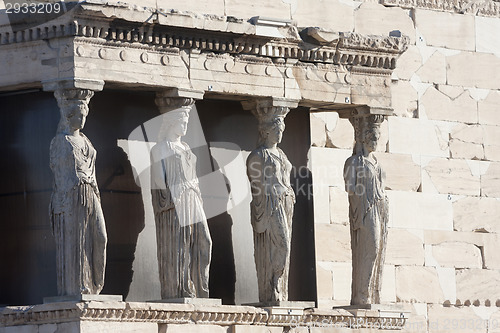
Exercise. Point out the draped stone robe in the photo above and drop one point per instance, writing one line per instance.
(368, 215)
(271, 218)
(184, 245)
(76, 216)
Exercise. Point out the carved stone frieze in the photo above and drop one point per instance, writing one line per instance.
(165, 313)
(86, 25)
(481, 8)
(390, 44)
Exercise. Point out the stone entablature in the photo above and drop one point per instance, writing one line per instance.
(489, 8)
(225, 315)
(131, 48)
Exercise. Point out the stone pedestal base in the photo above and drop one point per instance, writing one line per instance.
(147, 317)
(380, 310)
(195, 301)
(285, 304)
(378, 316)
(83, 298)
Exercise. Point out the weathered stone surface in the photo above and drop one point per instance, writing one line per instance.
(482, 70)
(333, 242)
(491, 244)
(490, 181)
(492, 153)
(491, 135)
(47, 328)
(494, 322)
(342, 277)
(339, 205)
(468, 150)
(321, 203)
(433, 237)
(449, 319)
(434, 69)
(489, 114)
(468, 133)
(457, 254)
(324, 280)
(487, 38)
(417, 321)
(439, 106)
(476, 214)
(402, 174)
(246, 10)
(466, 141)
(418, 284)
(342, 136)
(384, 137)
(375, 19)
(404, 248)
(253, 329)
(408, 63)
(481, 284)
(306, 15)
(318, 131)
(415, 210)
(404, 99)
(191, 328)
(388, 291)
(433, 137)
(128, 327)
(328, 166)
(444, 173)
(370, 90)
(200, 7)
(453, 31)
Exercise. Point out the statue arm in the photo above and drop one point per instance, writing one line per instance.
(350, 175)
(255, 167)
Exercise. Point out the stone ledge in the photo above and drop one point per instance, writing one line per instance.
(169, 313)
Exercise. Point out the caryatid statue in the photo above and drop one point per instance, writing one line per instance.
(184, 245)
(368, 211)
(75, 207)
(273, 199)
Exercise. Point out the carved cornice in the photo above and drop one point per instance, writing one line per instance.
(489, 8)
(88, 26)
(165, 313)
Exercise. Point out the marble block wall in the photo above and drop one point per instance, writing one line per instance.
(441, 154)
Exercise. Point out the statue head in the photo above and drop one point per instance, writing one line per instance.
(73, 106)
(174, 124)
(371, 135)
(271, 131)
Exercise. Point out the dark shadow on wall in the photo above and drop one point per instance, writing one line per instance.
(296, 143)
(28, 121)
(114, 115)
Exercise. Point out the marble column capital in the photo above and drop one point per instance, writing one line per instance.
(364, 118)
(73, 91)
(175, 98)
(73, 84)
(268, 108)
(362, 111)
